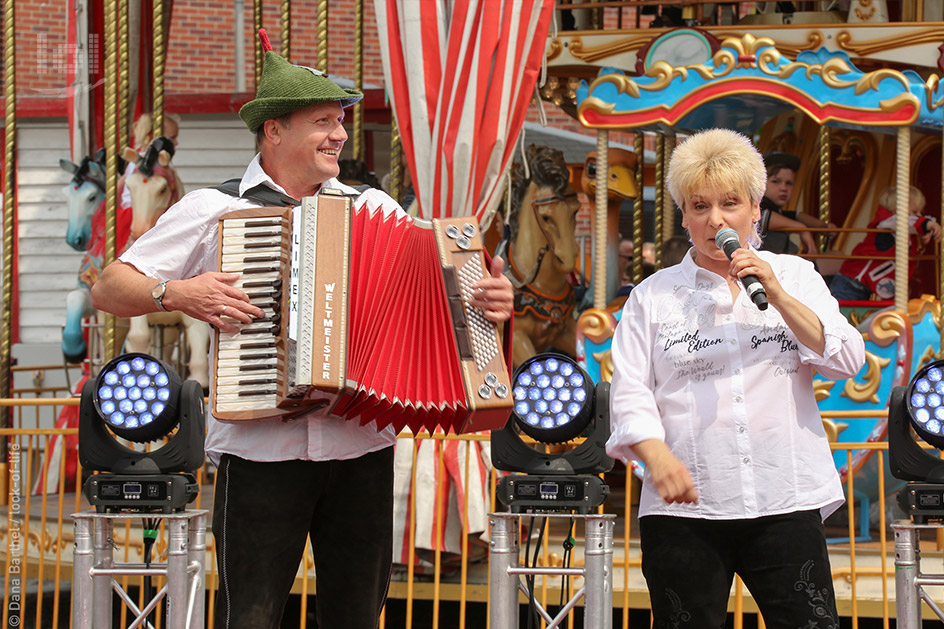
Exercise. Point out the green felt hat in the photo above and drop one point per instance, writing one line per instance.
(285, 88)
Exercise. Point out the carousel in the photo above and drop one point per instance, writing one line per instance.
(835, 95)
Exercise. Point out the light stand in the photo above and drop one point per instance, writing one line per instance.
(919, 406)
(555, 402)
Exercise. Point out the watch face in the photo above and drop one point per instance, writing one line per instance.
(158, 291)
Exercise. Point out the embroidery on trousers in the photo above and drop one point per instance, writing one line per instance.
(819, 599)
(678, 615)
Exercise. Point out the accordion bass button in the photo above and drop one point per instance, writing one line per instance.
(491, 379)
(452, 231)
(463, 242)
(469, 230)
(485, 392)
(501, 391)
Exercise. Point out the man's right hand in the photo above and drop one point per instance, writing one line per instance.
(669, 475)
(212, 298)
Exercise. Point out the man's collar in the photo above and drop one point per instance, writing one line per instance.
(255, 176)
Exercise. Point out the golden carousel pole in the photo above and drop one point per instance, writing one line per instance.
(257, 47)
(660, 197)
(824, 180)
(9, 207)
(358, 140)
(285, 16)
(160, 55)
(639, 147)
(323, 35)
(903, 160)
(599, 236)
(123, 88)
(111, 156)
(668, 206)
(396, 161)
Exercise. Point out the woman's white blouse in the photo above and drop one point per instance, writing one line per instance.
(730, 390)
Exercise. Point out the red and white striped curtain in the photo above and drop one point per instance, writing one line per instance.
(460, 75)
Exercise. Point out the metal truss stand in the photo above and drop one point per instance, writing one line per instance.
(505, 581)
(909, 582)
(94, 571)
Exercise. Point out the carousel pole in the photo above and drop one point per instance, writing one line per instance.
(660, 196)
(599, 237)
(123, 89)
(323, 35)
(639, 147)
(111, 155)
(396, 162)
(668, 206)
(256, 25)
(358, 140)
(940, 274)
(9, 225)
(902, 204)
(285, 23)
(160, 55)
(824, 180)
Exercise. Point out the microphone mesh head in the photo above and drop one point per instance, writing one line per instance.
(726, 235)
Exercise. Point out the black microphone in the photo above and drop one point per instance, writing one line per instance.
(727, 240)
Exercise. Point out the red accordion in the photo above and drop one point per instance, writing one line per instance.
(375, 324)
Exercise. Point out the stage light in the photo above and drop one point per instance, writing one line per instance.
(141, 399)
(918, 406)
(137, 397)
(553, 398)
(554, 401)
(925, 401)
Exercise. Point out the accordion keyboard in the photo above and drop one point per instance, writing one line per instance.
(249, 362)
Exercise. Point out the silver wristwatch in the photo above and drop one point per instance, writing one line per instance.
(157, 294)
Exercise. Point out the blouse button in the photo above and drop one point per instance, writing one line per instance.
(738, 399)
(741, 429)
(747, 459)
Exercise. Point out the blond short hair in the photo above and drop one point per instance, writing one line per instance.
(718, 159)
(144, 126)
(889, 199)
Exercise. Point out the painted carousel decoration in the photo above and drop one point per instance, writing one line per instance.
(742, 83)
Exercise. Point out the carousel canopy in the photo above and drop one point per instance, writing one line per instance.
(740, 83)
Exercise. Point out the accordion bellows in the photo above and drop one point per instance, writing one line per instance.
(378, 327)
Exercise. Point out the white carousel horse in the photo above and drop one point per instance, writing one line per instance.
(86, 232)
(155, 186)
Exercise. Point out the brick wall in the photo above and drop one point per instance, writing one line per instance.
(42, 52)
(201, 55)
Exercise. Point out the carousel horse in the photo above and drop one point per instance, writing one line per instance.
(155, 186)
(86, 232)
(621, 186)
(541, 253)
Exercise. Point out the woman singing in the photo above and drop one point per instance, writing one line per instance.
(716, 398)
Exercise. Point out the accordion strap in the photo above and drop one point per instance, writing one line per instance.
(261, 194)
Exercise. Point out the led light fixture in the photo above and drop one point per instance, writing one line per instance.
(918, 406)
(553, 398)
(141, 399)
(554, 401)
(137, 397)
